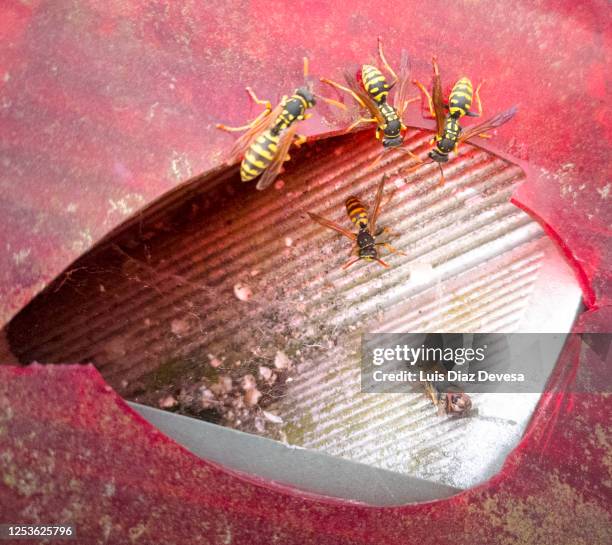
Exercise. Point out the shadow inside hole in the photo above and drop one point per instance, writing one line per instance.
(215, 299)
(154, 305)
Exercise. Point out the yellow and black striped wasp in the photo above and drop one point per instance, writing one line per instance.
(449, 133)
(370, 90)
(264, 147)
(365, 246)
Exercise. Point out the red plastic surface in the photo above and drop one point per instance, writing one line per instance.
(106, 105)
(88, 459)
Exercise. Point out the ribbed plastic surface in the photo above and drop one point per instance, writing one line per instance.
(156, 301)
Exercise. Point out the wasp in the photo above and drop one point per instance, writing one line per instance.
(370, 89)
(449, 133)
(264, 147)
(365, 246)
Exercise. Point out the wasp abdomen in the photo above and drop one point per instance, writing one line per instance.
(357, 212)
(460, 100)
(259, 156)
(375, 83)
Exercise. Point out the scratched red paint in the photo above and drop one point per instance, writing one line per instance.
(108, 101)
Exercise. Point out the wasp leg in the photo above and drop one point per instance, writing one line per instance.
(390, 248)
(246, 127)
(266, 103)
(485, 135)
(425, 94)
(359, 122)
(350, 262)
(233, 129)
(299, 139)
(381, 262)
(409, 101)
(386, 64)
(346, 90)
(478, 102)
(376, 160)
(387, 230)
(267, 110)
(330, 101)
(442, 178)
(407, 151)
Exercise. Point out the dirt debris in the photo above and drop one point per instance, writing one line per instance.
(242, 291)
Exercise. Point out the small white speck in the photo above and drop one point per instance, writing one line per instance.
(604, 191)
(243, 292)
(180, 166)
(125, 205)
(109, 489)
(20, 256)
(151, 112)
(272, 417)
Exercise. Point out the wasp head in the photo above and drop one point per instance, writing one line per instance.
(307, 95)
(437, 156)
(366, 243)
(392, 134)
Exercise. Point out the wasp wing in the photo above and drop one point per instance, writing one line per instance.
(376, 207)
(274, 168)
(438, 99)
(370, 105)
(400, 100)
(260, 125)
(492, 123)
(332, 225)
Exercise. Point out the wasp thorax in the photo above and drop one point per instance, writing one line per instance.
(393, 128)
(307, 95)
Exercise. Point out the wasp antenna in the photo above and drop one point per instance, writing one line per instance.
(331, 101)
(306, 66)
(410, 170)
(408, 152)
